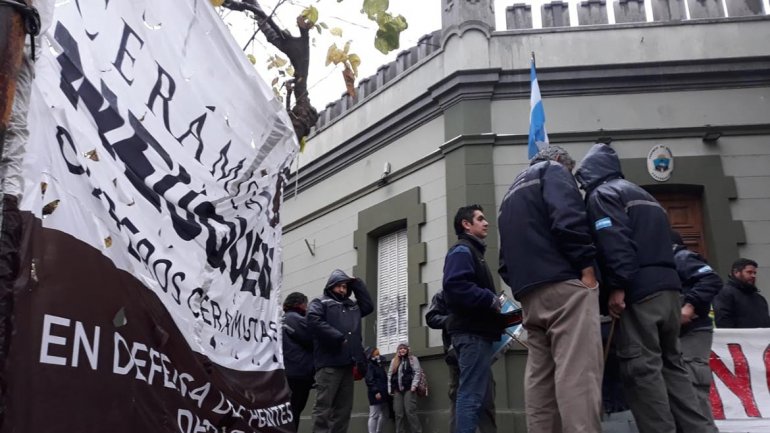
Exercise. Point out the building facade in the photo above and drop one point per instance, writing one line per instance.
(684, 97)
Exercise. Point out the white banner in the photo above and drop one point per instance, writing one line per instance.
(154, 141)
(740, 391)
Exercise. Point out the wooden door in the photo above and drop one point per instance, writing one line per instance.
(685, 213)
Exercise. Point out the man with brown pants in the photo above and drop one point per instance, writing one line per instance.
(546, 257)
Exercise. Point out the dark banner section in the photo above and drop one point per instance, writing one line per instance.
(96, 351)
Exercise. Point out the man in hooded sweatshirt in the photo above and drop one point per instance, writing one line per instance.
(334, 320)
(632, 234)
(546, 257)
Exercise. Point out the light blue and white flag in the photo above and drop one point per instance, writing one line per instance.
(538, 137)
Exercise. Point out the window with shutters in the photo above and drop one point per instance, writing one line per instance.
(392, 291)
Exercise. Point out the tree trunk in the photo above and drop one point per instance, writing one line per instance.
(297, 49)
(11, 50)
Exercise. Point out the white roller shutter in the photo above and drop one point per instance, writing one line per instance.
(391, 291)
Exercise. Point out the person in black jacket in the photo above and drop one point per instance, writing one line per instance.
(334, 320)
(474, 321)
(699, 286)
(632, 234)
(436, 318)
(297, 353)
(377, 389)
(546, 257)
(739, 304)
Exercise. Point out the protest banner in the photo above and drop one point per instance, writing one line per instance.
(148, 293)
(740, 390)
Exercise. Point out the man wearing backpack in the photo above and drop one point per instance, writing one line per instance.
(474, 321)
(436, 318)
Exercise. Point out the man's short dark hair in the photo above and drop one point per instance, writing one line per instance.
(465, 213)
(294, 300)
(741, 263)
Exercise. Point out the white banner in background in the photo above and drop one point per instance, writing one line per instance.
(154, 141)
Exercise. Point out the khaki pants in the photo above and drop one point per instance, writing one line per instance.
(655, 380)
(405, 406)
(563, 377)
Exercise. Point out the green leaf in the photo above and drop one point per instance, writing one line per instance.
(303, 141)
(279, 61)
(336, 31)
(374, 7)
(324, 25)
(311, 14)
(355, 62)
(335, 55)
(387, 37)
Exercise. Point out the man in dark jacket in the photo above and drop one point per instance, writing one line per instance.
(546, 257)
(436, 318)
(334, 320)
(297, 352)
(699, 286)
(631, 231)
(474, 321)
(739, 304)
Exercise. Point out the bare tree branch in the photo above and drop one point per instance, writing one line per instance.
(297, 49)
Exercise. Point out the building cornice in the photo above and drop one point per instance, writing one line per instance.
(514, 84)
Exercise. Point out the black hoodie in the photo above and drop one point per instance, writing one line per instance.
(335, 322)
(630, 229)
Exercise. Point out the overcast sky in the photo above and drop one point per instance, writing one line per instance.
(326, 84)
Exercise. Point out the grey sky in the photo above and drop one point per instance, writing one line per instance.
(326, 85)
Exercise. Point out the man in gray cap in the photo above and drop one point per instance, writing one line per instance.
(546, 257)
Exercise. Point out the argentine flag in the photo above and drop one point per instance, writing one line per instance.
(538, 138)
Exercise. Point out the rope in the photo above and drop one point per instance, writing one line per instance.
(31, 19)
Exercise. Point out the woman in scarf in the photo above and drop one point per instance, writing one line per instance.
(403, 377)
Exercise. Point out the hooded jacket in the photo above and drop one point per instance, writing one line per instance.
(297, 346)
(376, 378)
(739, 305)
(335, 322)
(544, 234)
(700, 284)
(630, 229)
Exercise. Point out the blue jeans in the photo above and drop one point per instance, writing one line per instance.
(474, 356)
